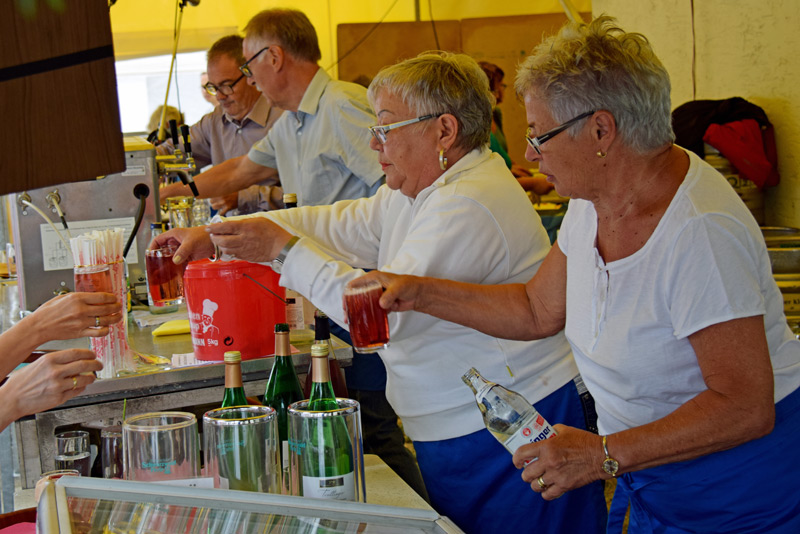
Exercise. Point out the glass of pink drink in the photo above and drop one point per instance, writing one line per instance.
(369, 324)
(164, 278)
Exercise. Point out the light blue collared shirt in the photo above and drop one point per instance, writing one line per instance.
(322, 151)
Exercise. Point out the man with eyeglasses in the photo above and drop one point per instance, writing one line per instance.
(242, 117)
(321, 147)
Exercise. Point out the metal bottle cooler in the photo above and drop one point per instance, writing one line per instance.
(228, 310)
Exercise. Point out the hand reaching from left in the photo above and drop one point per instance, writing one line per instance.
(48, 382)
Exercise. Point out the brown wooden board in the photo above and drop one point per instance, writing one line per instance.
(58, 95)
(506, 41)
(501, 40)
(389, 43)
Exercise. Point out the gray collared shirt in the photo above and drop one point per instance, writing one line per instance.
(322, 150)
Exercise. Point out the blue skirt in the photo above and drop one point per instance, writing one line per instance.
(472, 481)
(754, 487)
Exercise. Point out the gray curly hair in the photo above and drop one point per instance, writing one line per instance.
(442, 82)
(599, 66)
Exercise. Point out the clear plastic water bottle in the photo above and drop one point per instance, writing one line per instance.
(201, 212)
(511, 419)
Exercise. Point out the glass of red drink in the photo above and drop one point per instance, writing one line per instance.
(164, 278)
(93, 278)
(369, 324)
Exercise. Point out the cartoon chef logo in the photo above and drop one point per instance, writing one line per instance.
(209, 308)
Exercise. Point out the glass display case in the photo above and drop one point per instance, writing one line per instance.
(85, 505)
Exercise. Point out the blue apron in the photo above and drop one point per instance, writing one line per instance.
(754, 487)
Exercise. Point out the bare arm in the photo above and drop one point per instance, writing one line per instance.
(737, 407)
(46, 383)
(63, 317)
(228, 177)
(511, 311)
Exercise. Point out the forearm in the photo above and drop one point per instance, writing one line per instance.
(17, 343)
(7, 415)
(710, 422)
(502, 311)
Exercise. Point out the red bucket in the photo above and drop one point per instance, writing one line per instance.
(228, 311)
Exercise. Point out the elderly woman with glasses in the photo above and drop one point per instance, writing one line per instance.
(452, 208)
(661, 279)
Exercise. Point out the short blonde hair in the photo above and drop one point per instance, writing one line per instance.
(290, 28)
(598, 66)
(442, 82)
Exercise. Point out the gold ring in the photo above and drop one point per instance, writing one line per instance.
(97, 321)
(74, 382)
(542, 485)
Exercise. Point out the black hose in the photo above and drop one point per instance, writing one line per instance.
(141, 191)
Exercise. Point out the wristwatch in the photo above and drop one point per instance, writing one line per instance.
(610, 465)
(277, 263)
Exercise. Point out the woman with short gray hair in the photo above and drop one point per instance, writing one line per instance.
(452, 208)
(661, 281)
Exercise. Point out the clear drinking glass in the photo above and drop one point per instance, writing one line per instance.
(241, 449)
(160, 446)
(180, 212)
(164, 278)
(111, 451)
(326, 458)
(93, 278)
(72, 451)
(369, 324)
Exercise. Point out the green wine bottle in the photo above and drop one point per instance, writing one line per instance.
(234, 390)
(328, 471)
(322, 335)
(283, 388)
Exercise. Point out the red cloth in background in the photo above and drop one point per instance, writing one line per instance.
(20, 528)
(748, 147)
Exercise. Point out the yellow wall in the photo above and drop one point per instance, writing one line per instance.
(744, 48)
(144, 27)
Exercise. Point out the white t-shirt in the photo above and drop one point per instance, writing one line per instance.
(628, 321)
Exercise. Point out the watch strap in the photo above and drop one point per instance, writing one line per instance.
(281, 257)
(610, 465)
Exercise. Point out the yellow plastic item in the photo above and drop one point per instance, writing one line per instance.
(178, 326)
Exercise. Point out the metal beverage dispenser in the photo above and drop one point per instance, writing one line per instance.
(44, 263)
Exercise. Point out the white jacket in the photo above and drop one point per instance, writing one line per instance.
(474, 224)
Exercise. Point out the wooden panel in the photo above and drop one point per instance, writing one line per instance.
(506, 41)
(389, 43)
(58, 95)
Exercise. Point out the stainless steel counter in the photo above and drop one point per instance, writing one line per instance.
(152, 388)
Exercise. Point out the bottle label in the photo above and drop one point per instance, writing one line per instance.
(532, 431)
(340, 487)
(294, 312)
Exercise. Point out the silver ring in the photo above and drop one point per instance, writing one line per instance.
(97, 321)
(542, 485)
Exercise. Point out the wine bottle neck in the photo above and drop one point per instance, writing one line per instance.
(320, 371)
(233, 375)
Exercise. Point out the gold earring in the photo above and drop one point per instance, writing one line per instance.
(442, 160)
(601, 154)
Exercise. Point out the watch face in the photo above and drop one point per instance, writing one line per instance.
(610, 466)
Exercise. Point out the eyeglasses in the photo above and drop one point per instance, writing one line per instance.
(379, 132)
(245, 68)
(539, 140)
(223, 88)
